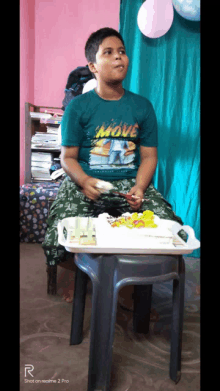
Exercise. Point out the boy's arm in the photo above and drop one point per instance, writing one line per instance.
(144, 175)
(69, 162)
(147, 167)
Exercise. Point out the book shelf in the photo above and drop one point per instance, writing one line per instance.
(35, 126)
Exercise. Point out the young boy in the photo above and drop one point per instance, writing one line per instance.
(99, 113)
(108, 134)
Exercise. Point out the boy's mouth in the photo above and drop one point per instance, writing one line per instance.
(119, 66)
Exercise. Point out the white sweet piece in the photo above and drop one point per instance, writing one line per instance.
(104, 186)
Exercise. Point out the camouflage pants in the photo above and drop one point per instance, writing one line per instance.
(70, 202)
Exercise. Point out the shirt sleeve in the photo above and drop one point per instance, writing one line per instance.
(71, 128)
(148, 128)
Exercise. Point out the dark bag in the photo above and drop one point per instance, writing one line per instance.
(75, 83)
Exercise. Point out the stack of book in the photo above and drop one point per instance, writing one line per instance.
(50, 139)
(46, 140)
(41, 116)
(45, 144)
(40, 165)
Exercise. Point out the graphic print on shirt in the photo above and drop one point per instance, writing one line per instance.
(113, 147)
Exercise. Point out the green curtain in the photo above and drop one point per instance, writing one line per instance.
(166, 70)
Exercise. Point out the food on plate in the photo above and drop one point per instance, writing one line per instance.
(136, 220)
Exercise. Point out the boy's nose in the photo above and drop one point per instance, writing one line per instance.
(117, 55)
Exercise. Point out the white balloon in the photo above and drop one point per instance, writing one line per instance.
(155, 17)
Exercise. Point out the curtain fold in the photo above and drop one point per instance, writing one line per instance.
(166, 70)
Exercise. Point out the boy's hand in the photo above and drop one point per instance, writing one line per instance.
(89, 188)
(138, 194)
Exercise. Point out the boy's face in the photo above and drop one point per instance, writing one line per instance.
(111, 61)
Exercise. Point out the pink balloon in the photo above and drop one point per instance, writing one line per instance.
(155, 17)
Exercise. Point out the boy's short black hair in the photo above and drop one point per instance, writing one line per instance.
(96, 38)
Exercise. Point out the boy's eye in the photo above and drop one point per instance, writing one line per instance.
(108, 51)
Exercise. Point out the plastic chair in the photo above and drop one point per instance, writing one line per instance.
(109, 273)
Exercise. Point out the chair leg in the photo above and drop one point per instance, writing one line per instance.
(104, 308)
(52, 280)
(142, 306)
(79, 300)
(177, 323)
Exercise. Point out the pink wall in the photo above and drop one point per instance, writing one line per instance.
(53, 35)
(62, 28)
(27, 54)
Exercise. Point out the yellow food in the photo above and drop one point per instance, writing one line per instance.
(144, 220)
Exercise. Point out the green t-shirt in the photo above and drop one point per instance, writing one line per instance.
(109, 133)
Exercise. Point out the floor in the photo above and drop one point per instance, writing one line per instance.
(140, 362)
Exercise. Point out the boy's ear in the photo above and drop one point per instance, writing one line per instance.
(92, 67)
